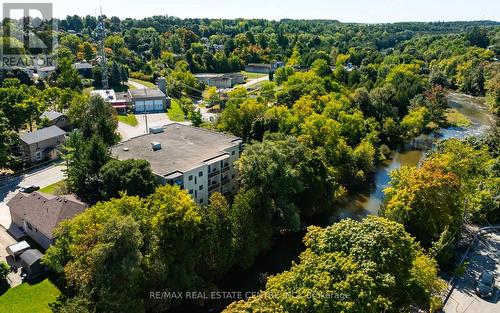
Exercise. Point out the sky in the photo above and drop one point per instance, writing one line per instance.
(363, 11)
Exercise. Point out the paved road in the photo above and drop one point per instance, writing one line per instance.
(484, 256)
(254, 81)
(41, 177)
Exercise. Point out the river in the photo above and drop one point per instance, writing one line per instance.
(286, 248)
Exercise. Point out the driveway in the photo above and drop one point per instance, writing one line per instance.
(41, 177)
(153, 119)
(484, 255)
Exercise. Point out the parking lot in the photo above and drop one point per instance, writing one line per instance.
(483, 256)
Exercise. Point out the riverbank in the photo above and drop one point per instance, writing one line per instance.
(286, 248)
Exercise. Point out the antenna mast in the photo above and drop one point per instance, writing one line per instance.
(101, 34)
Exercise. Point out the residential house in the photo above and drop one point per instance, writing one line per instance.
(41, 144)
(84, 69)
(56, 118)
(37, 214)
(198, 160)
(263, 68)
(226, 80)
(45, 71)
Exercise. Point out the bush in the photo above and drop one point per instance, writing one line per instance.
(4, 270)
(141, 76)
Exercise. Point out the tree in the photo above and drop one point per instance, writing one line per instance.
(84, 160)
(97, 118)
(218, 253)
(4, 270)
(88, 51)
(211, 96)
(368, 266)
(426, 200)
(493, 93)
(131, 176)
(9, 141)
(68, 76)
(98, 252)
(267, 92)
(478, 36)
(196, 117)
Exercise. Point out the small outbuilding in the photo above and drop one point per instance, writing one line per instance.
(31, 261)
(17, 249)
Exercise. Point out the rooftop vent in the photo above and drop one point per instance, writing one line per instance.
(156, 129)
(156, 145)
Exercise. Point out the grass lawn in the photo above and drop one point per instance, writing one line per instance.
(175, 112)
(455, 118)
(143, 82)
(27, 298)
(129, 119)
(253, 75)
(55, 188)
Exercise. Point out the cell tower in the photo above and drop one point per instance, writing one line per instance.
(101, 34)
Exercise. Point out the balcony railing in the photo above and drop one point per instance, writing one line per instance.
(213, 173)
(213, 187)
(225, 168)
(224, 180)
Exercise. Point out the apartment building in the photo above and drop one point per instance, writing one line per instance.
(198, 160)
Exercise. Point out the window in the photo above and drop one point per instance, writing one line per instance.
(200, 173)
(233, 176)
(190, 191)
(232, 152)
(29, 226)
(195, 193)
(38, 155)
(201, 187)
(195, 180)
(62, 119)
(201, 200)
(190, 178)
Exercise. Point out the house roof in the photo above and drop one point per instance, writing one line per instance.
(182, 148)
(45, 211)
(46, 69)
(30, 256)
(41, 134)
(82, 66)
(51, 115)
(146, 93)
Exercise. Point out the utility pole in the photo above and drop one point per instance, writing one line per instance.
(101, 34)
(146, 119)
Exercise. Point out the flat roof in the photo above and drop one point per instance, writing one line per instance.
(182, 148)
(146, 93)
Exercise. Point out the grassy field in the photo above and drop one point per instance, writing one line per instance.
(455, 118)
(253, 75)
(129, 119)
(27, 298)
(56, 188)
(175, 112)
(143, 82)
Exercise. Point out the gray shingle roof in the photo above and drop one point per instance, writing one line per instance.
(30, 256)
(41, 134)
(45, 211)
(51, 115)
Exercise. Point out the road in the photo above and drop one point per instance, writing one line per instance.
(485, 255)
(254, 81)
(41, 177)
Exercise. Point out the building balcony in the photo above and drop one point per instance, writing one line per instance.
(224, 180)
(213, 187)
(213, 173)
(225, 168)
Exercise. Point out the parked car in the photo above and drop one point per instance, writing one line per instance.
(485, 285)
(29, 189)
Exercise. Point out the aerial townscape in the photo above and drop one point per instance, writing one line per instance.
(154, 164)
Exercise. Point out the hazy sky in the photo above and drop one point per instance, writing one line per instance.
(343, 10)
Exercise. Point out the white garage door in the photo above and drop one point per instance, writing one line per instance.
(139, 106)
